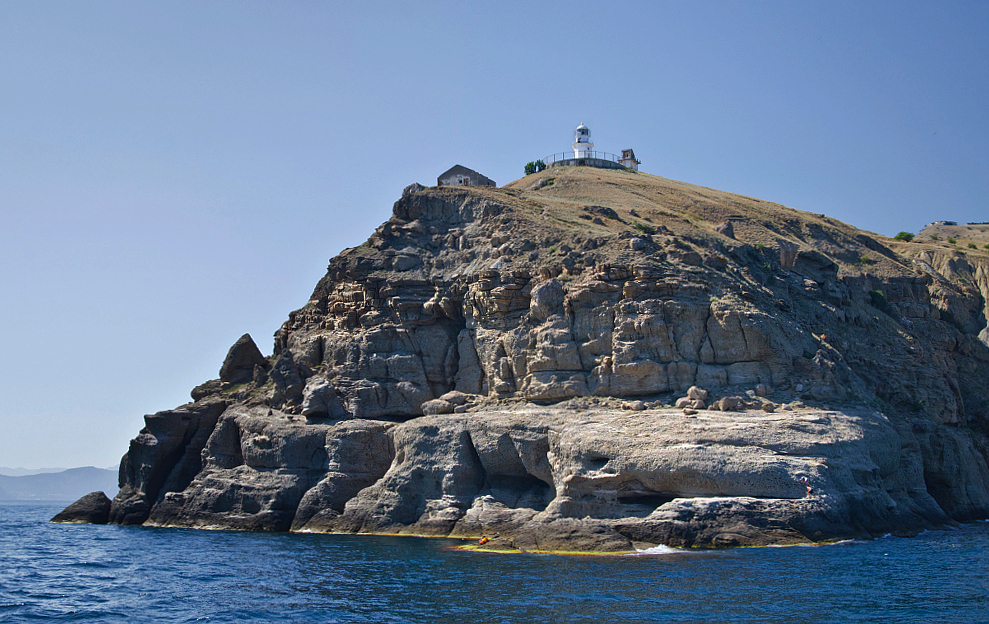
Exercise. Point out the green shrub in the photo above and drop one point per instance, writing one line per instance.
(934, 237)
(879, 301)
(906, 237)
(234, 388)
(534, 166)
(951, 241)
(948, 317)
(645, 229)
(972, 246)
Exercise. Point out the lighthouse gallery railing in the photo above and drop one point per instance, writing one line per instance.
(552, 158)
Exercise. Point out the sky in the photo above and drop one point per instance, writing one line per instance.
(176, 174)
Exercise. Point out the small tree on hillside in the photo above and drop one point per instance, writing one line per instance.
(534, 166)
(906, 237)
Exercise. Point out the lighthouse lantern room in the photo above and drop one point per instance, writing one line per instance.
(582, 145)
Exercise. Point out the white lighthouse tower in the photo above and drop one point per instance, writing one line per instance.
(582, 145)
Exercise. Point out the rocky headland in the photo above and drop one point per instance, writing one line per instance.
(596, 360)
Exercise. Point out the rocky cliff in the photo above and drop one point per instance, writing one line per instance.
(596, 360)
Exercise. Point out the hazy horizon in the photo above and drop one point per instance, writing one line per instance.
(17, 471)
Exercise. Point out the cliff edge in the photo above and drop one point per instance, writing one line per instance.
(596, 360)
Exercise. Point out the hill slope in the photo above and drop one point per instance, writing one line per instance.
(58, 486)
(590, 359)
(965, 236)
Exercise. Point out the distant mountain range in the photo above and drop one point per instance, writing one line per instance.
(20, 472)
(65, 485)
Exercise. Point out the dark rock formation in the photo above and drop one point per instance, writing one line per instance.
(164, 457)
(93, 508)
(508, 360)
(243, 356)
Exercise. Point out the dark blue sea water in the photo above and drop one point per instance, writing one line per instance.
(132, 574)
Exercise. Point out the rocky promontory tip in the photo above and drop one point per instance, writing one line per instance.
(93, 508)
(596, 360)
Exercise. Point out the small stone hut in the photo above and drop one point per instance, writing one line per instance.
(629, 160)
(458, 175)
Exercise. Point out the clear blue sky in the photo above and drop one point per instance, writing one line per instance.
(174, 174)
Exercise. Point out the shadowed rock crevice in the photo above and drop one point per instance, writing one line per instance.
(642, 504)
(526, 492)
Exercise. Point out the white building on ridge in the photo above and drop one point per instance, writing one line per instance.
(582, 145)
(585, 156)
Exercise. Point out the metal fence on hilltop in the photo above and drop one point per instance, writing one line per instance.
(570, 156)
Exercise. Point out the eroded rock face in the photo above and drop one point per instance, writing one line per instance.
(164, 457)
(457, 374)
(359, 453)
(558, 479)
(257, 465)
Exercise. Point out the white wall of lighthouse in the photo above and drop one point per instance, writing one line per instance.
(582, 145)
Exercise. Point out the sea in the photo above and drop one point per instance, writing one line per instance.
(88, 573)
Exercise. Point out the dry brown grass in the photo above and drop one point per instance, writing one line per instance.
(692, 211)
(963, 235)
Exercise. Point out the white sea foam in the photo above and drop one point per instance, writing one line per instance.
(660, 550)
(814, 544)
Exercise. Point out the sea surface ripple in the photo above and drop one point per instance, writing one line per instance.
(79, 573)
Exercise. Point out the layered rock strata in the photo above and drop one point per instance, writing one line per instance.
(463, 372)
